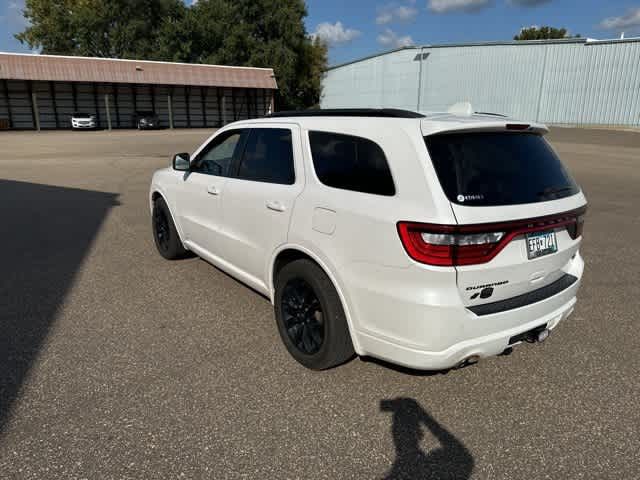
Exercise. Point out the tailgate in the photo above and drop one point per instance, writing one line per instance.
(515, 204)
(538, 253)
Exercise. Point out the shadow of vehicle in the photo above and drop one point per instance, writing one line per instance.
(451, 460)
(46, 232)
(404, 370)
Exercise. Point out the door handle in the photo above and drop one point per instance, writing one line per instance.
(276, 206)
(213, 190)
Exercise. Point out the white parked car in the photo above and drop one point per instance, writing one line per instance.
(82, 120)
(428, 241)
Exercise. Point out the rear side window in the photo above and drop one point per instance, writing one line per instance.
(498, 168)
(268, 156)
(351, 163)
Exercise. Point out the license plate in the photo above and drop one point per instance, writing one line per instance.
(541, 243)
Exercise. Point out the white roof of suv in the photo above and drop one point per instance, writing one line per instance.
(430, 123)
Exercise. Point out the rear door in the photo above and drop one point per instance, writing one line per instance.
(259, 198)
(512, 185)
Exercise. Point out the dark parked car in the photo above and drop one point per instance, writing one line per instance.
(147, 120)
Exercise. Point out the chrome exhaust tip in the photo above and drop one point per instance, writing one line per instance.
(543, 335)
(535, 335)
(472, 360)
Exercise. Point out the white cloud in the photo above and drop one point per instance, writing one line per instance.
(527, 3)
(335, 33)
(384, 17)
(630, 20)
(389, 38)
(396, 13)
(449, 6)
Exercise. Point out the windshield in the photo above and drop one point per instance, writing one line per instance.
(498, 168)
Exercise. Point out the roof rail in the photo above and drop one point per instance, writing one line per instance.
(350, 112)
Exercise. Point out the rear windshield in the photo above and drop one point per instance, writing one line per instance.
(498, 168)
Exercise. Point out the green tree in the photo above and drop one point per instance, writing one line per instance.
(97, 28)
(311, 67)
(257, 33)
(543, 33)
(260, 33)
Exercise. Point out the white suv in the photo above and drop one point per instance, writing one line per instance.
(428, 241)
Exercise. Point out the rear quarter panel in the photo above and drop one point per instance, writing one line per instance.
(354, 232)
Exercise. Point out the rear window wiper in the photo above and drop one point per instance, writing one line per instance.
(554, 191)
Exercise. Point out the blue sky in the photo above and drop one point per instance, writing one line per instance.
(355, 28)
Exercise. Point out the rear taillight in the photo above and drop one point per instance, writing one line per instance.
(450, 245)
(575, 229)
(580, 225)
(447, 245)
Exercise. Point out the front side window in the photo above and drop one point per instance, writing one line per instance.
(217, 157)
(268, 157)
(351, 163)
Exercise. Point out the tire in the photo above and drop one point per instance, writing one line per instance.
(300, 326)
(165, 234)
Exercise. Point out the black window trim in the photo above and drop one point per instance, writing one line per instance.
(234, 169)
(315, 174)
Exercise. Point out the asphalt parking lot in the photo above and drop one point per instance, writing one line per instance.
(115, 363)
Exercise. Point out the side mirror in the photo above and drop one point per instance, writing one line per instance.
(181, 162)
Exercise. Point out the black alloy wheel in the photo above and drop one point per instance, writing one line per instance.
(161, 228)
(310, 317)
(303, 316)
(165, 235)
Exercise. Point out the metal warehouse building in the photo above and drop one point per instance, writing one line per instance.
(42, 92)
(573, 81)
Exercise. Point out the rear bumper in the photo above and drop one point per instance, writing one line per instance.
(486, 346)
(441, 333)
